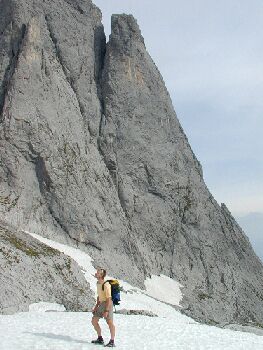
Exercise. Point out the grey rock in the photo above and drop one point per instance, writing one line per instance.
(249, 328)
(92, 154)
(32, 272)
(53, 179)
(179, 228)
(136, 312)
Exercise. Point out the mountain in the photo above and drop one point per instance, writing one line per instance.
(92, 154)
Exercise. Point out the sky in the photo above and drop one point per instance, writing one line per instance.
(210, 54)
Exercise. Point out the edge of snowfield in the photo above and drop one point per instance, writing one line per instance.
(55, 330)
(163, 288)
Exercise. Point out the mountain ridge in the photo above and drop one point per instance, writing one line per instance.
(92, 153)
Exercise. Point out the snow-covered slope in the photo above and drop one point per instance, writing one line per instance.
(55, 330)
(73, 331)
(157, 287)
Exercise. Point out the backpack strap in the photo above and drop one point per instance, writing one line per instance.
(104, 283)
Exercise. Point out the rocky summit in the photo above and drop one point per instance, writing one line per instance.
(93, 155)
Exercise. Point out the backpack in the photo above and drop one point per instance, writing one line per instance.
(115, 291)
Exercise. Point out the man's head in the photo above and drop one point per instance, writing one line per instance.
(100, 274)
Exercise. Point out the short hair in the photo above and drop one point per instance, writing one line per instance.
(103, 271)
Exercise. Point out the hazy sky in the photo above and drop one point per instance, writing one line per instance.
(210, 54)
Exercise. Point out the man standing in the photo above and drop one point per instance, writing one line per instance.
(103, 308)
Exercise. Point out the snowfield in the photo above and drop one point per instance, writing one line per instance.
(73, 331)
(47, 327)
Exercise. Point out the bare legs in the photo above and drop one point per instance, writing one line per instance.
(112, 329)
(95, 323)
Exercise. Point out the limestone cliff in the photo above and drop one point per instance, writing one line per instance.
(92, 154)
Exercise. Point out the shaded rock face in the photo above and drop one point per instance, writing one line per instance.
(32, 272)
(53, 178)
(92, 153)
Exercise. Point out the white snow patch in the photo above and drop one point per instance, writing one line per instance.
(81, 258)
(164, 289)
(44, 307)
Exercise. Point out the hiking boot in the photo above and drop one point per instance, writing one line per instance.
(98, 341)
(110, 344)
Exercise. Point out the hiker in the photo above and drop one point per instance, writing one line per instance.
(103, 308)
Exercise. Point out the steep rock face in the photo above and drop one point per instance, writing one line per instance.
(53, 179)
(180, 229)
(32, 272)
(92, 154)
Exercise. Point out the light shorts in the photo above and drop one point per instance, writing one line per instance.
(101, 309)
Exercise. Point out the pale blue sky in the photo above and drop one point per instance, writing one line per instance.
(210, 54)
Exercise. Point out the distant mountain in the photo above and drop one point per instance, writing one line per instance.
(252, 224)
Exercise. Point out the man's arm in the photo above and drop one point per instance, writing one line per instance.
(97, 305)
(107, 307)
(108, 303)
(108, 299)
